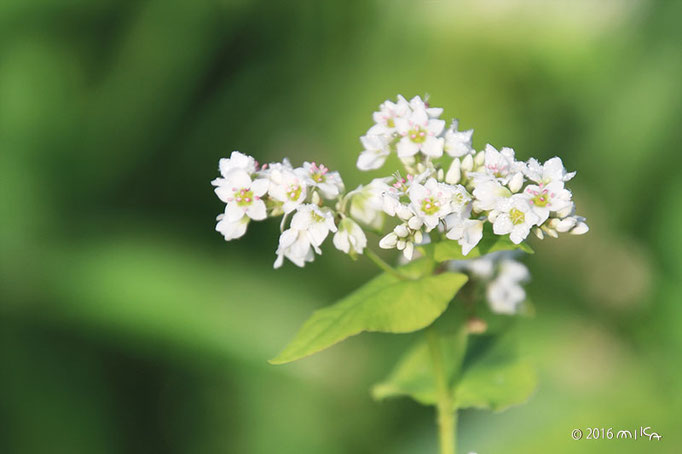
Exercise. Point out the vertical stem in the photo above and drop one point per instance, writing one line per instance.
(446, 417)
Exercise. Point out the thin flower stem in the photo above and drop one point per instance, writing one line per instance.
(446, 415)
(378, 261)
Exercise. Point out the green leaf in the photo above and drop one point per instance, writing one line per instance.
(385, 304)
(493, 376)
(413, 375)
(451, 250)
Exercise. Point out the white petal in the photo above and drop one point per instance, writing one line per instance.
(256, 210)
(407, 148)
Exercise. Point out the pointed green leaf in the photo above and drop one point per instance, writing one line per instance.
(413, 375)
(385, 304)
(451, 250)
(493, 376)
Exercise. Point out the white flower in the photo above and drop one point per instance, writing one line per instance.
(366, 203)
(420, 133)
(516, 218)
(458, 143)
(502, 164)
(377, 149)
(404, 239)
(431, 201)
(417, 103)
(551, 171)
(287, 187)
(385, 118)
(294, 245)
(350, 238)
(316, 222)
(329, 183)
(504, 293)
(242, 196)
(467, 232)
(237, 160)
(548, 198)
(488, 194)
(231, 230)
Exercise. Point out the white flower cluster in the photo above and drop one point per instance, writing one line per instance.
(448, 189)
(502, 275)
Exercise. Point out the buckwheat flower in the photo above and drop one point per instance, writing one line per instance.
(329, 183)
(316, 222)
(237, 160)
(458, 143)
(350, 238)
(287, 187)
(231, 230)
(502, 164)
(548, 198)
(504, 293)
(420, 134)
(376, 150)
(516, 218)
(417, 103)
(489, 193)
(467, 232)
(243, 196)
(295, 246)
(551, 171)
(404, 239)
(431, 201)
(366, 203)
(385, 118)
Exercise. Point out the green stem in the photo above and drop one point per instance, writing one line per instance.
(447, 418)
(378, 261)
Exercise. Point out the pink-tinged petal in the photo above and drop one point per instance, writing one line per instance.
(407, 148)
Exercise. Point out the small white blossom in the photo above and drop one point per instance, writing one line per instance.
(376, 150)
(516, 218)
(231, 230)
(366, 203)
(385, 118)
(350, 238)
(431, 201)
(504, 293)
(467, 232)
(548, 198)
(236, 161)
(242, 196)
(502, 164)
(316, 222)
(420, 133)
(404, 239)
(488, 194)
(458, 143)
(287, 187)
(551, 171)
(329, 183)
(294, 245)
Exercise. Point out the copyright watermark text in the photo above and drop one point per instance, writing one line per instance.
(603, 433)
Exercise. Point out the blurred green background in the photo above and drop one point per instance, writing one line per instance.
(127, 325)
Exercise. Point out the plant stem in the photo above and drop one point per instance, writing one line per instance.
(447, 418)
(383, 265)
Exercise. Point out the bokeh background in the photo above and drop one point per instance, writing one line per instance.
(127, 325)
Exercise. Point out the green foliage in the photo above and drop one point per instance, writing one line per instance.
(384, 304)
(451, 250)
(490, 375)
